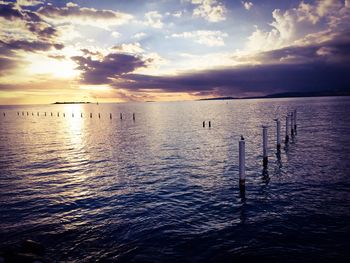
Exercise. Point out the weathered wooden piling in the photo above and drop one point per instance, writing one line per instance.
(72, 115)
(278, 134)
(64, 114)
(99, 115)
(121, 116)
(51, 114)
(291, 124)
(295, 121)
(4, 114)
(22, 113)
(90, 115)
(265, 158)
(81, 115)
(58, 114)
(209, 124)
(287, 129)
(27, 113)
(241, 163)
(133, 116)
(203, 124)
(45, 113)
(17, 113)
(37, 113)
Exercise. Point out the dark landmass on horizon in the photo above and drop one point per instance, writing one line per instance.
(72, 102)
(290, 95)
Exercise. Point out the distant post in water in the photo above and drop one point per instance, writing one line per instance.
(203, 124)
(45, 113)
(64, 115)
(72, 115)
(133, 116)
(58, 114)
(90, 115)
(99, 115)
(22, 113)
(295, 121)
(265, 158)
(4, 114)
(278, 134)
(121, 116)
(291, 124)
(209, 124)
(81, 115)
(287, 129)
(27, 113)
(17, 113)
(242, 163)
(110, 115)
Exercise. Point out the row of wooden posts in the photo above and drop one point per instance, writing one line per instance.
(64, 115)
(291, 126)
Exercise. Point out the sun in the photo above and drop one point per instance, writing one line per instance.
(56, 67)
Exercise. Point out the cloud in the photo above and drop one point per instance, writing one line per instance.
(322, 67)
(247, 5)
(139, 35)
(115, 34)
(178, 14)
(29, 20)
(7, 65)
(9, 11)
(29, 2)
(82, 15)
(131, 48)
(301, 22)
(244, 81)
(204, 37)
(211, 10)
(30, 46)
(112, 66)
(153, 19)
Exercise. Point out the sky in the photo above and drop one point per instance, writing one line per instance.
(167, 50)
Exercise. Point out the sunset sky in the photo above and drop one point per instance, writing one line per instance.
(114, 51)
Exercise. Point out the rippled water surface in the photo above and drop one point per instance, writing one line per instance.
(164, 189)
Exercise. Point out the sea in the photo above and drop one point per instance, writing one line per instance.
(163, 188)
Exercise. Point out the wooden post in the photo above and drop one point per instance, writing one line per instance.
(265, 158)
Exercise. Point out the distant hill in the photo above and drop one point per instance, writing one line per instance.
(308, 94)
(290, 95)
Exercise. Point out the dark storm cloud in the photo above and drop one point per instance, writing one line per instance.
(112, 66)
(245, 80)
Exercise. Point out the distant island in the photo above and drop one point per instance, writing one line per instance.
(289, 95)
(72, 102)
(220, 98)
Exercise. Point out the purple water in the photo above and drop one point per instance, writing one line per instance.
(164, 189)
